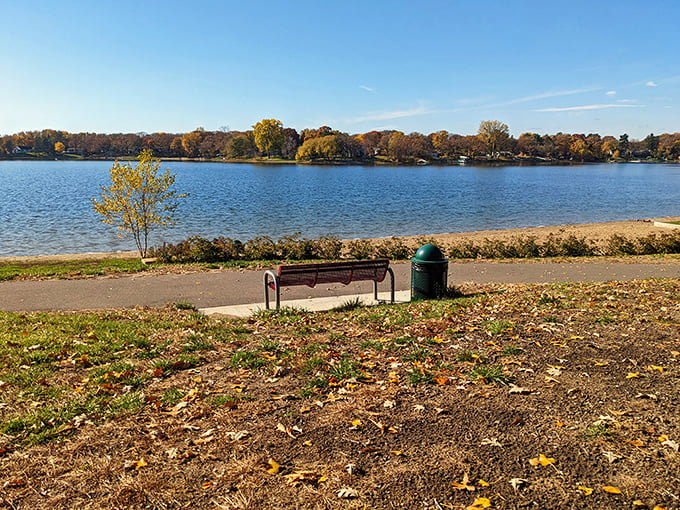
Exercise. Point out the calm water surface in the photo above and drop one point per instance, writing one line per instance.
(45, 207)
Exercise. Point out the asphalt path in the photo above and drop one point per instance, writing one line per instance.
(223, 288)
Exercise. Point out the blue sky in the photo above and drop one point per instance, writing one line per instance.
(539, 66)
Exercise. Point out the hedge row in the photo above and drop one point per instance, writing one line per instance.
(295, 248)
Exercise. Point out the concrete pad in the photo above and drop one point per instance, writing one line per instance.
(311, 304)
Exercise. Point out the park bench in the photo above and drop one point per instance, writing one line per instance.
(343, 272)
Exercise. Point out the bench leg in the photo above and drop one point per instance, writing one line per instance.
(275, 281)
(375, 286)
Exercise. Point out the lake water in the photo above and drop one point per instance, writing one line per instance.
(45, 207)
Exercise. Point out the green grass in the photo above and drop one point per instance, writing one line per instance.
(59, 366)
(599, 430)
(511, 349)
(345, 368)
(491, 375)
(248, 359)
(498, 327)
(70, 268)
(420, 377)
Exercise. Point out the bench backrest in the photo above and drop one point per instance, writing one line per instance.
(333, 272)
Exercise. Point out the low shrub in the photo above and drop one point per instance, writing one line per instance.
(573, 246)
(328, 247)
(360, 249)
(260, 248)
(392, 248)
(294, 248)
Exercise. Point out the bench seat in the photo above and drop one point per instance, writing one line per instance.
(344, 272)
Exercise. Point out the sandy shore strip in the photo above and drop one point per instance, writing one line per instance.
(594, 232)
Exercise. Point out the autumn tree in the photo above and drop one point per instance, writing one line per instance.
(291, 142)
(59, 147)
(269, 136)
(609, 146)
(139, 199)
(494, 134)
(191, 142)
(242, 146)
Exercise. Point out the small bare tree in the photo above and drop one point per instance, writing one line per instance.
(138, 199)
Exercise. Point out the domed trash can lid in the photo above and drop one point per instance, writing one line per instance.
(429, 254)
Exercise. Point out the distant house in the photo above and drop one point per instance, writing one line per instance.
(22, 149)
(71, 150)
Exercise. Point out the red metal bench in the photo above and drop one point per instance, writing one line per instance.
(343, 272)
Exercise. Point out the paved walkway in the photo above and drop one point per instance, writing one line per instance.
(226, 288)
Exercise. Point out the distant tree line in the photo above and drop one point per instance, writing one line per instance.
(270, 139)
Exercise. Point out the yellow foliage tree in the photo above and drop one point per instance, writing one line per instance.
(138, 199)
(59, 147)
(269, 136)
(494, 134)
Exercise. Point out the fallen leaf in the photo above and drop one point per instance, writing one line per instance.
(464, 485)
(237, 436)
(542, 460)
(586, 490)
(379, 425)
(356, 423)
(297, 477)
(657, 507)
(348, 493)
(611, 490)
(656, 367)
(633, 375)
(610, 456)
(308, 442)
(491, 442)
(480, 503)
(636, 443)
(286, 430)
(274, 467)
(141, 463)
(396, 452)
(206, 485)
(442, 381)
(521, 391)
(554, 371)
(671, 444)
(483, 483)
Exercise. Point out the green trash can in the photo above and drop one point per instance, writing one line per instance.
(429, 270)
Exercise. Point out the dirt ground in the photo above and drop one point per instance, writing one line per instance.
(545, 396)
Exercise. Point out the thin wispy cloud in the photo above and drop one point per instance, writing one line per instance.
(369, 89)
(589, 107)
(651, 84)
(548, 95)
(397, 114)
(610, 93)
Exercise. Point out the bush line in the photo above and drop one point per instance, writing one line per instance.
(328, 247)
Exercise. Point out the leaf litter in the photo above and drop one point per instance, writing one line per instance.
(421, 402)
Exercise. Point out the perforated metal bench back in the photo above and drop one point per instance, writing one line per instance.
(333, 272)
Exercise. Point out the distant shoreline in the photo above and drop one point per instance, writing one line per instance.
(481, 161)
